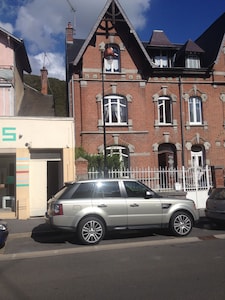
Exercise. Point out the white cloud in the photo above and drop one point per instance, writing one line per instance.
(54, 63)
(7, 26)
(42, 23)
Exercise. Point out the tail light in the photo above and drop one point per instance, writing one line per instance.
(58, 209)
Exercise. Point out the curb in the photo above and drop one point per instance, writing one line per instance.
(97, 248)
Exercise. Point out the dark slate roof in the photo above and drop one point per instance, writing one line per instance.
(159, 38)
(211, 40)
(35, 104)
(73, 49)
(191, 46)
(19, 49)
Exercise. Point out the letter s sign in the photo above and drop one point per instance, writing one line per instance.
(8, 134)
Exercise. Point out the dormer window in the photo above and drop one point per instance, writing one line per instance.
(192, 61)
(161, 60)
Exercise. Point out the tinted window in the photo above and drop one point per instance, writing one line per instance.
(66, 192)
(107, 189)
(84, 190)
(218, 194)
(135, 189)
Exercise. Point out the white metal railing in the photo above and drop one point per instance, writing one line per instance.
(186, 179)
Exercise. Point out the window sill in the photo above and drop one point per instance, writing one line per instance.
(116, 125)
(189, 126)
(165, 125)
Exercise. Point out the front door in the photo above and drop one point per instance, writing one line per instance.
(38, 187)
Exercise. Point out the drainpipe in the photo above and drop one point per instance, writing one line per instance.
(181, 121)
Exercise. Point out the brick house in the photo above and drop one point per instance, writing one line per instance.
(164, 103)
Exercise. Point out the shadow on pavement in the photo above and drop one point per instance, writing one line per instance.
(205, 223)
(45, 234)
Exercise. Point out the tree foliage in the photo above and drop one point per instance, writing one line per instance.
(96, 161)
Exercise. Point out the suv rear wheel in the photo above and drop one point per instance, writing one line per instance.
(181, 223)
(91, 231)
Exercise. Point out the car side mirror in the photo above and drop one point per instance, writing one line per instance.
(148, 194)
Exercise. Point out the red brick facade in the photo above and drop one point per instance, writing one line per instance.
(148, 142)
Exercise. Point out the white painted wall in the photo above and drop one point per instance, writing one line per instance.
(199, 198)
(42, 133)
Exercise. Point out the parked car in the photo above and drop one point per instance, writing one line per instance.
(93, 207)
(215, 206)
(3, 233)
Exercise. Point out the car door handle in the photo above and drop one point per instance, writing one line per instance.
(102, 205)
(134, 205)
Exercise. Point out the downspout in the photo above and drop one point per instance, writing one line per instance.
(72, 82)
(181, 121)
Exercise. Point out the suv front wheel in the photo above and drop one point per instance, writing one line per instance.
(91, 231)
(181, 223)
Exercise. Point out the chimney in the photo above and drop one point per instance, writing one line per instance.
(69, 33)
(44, 81)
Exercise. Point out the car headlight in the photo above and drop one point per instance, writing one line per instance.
(3, 227)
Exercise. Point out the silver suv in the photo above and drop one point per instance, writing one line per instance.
(92, 207)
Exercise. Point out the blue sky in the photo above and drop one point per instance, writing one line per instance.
(41, 23)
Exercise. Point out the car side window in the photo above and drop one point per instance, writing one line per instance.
(134, 189)
(107, 190)
(221, 194)
(84, 190)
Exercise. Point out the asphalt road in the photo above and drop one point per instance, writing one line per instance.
(41, 240)
(134, 269)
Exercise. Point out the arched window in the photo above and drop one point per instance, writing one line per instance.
(167, 156)
(121, 152)
(164, 110)
(167, 159)
(115, 110)
(195, 110)
(112, 64)
(197, 156)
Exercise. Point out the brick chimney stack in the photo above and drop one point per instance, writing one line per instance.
(44, 81)
(69, 33)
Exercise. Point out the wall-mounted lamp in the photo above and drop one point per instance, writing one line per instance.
(28, 145)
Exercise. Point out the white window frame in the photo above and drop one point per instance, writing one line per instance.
(161, 60)
(195, 110)
(197, 159)
(122, 152)
(192, 61)
(112, 65)
(163, 114)
(115, 108)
